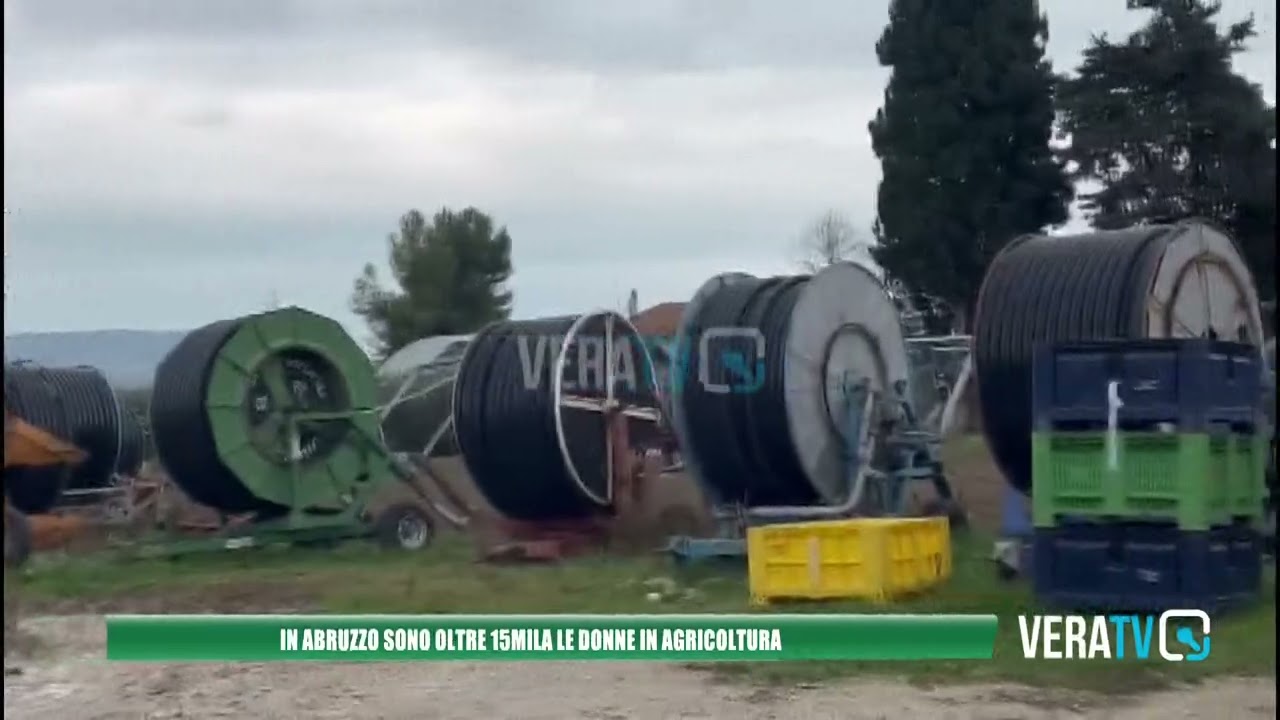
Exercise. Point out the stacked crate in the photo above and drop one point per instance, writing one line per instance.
(1154, 502)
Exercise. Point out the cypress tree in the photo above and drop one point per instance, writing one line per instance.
(963, 139)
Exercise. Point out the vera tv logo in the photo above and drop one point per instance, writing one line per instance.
(1081, 637)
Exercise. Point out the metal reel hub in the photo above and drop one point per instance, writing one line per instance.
(845, 330)
(285, 388)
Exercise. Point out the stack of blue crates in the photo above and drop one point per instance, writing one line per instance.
(1131, 536)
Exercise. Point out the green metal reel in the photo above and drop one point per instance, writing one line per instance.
(271, 412)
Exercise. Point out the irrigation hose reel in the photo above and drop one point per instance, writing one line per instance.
(274, 416)
(548, 413)
(832, 413)
(1181, 280)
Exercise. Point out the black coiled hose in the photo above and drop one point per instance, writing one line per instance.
(506, 428)
(77, 405)
(181, 427)
(27, 396)
(742, 438)
(1043, 289)
(505, 413)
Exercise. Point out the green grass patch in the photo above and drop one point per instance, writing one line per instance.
(356, 578)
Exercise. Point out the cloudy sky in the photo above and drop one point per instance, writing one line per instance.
(172, 162)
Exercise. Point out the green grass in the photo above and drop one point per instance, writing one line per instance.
(445, 579)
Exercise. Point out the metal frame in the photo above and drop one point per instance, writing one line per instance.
(452, 511)
(297, 525)
(865, 413)
(941, 418)
(606, 406)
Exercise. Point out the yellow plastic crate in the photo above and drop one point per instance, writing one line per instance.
(875, 559)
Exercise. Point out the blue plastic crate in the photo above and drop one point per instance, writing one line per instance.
(1140, 567)
(1190, 383)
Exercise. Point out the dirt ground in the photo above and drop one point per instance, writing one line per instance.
(65, 676)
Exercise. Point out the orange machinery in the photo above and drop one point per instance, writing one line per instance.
(26, 445)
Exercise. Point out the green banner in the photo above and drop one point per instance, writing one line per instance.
(684, 638)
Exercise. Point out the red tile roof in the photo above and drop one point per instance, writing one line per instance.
(661, 320)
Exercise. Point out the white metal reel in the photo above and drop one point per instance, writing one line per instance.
(1202, 288)
(607, 404)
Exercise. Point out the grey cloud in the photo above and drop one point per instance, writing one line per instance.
(205, 117)
(643, 175)
(251, 42)
(656, 35)
(296, 42)
(81, 22)
(582, 34)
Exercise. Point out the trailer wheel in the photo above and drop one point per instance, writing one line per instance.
(404, 526)
(17, 538)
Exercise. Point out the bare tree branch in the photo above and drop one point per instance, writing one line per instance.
(831, 239)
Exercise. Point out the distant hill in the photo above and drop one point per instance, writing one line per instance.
(127, 357)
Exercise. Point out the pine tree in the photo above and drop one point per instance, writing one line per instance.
(451, 272)
(1167, 129)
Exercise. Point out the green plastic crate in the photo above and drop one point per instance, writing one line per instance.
(1251, 455)
(1197, 480)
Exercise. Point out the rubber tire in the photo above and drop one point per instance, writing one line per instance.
(17, 538)
(386, 526)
